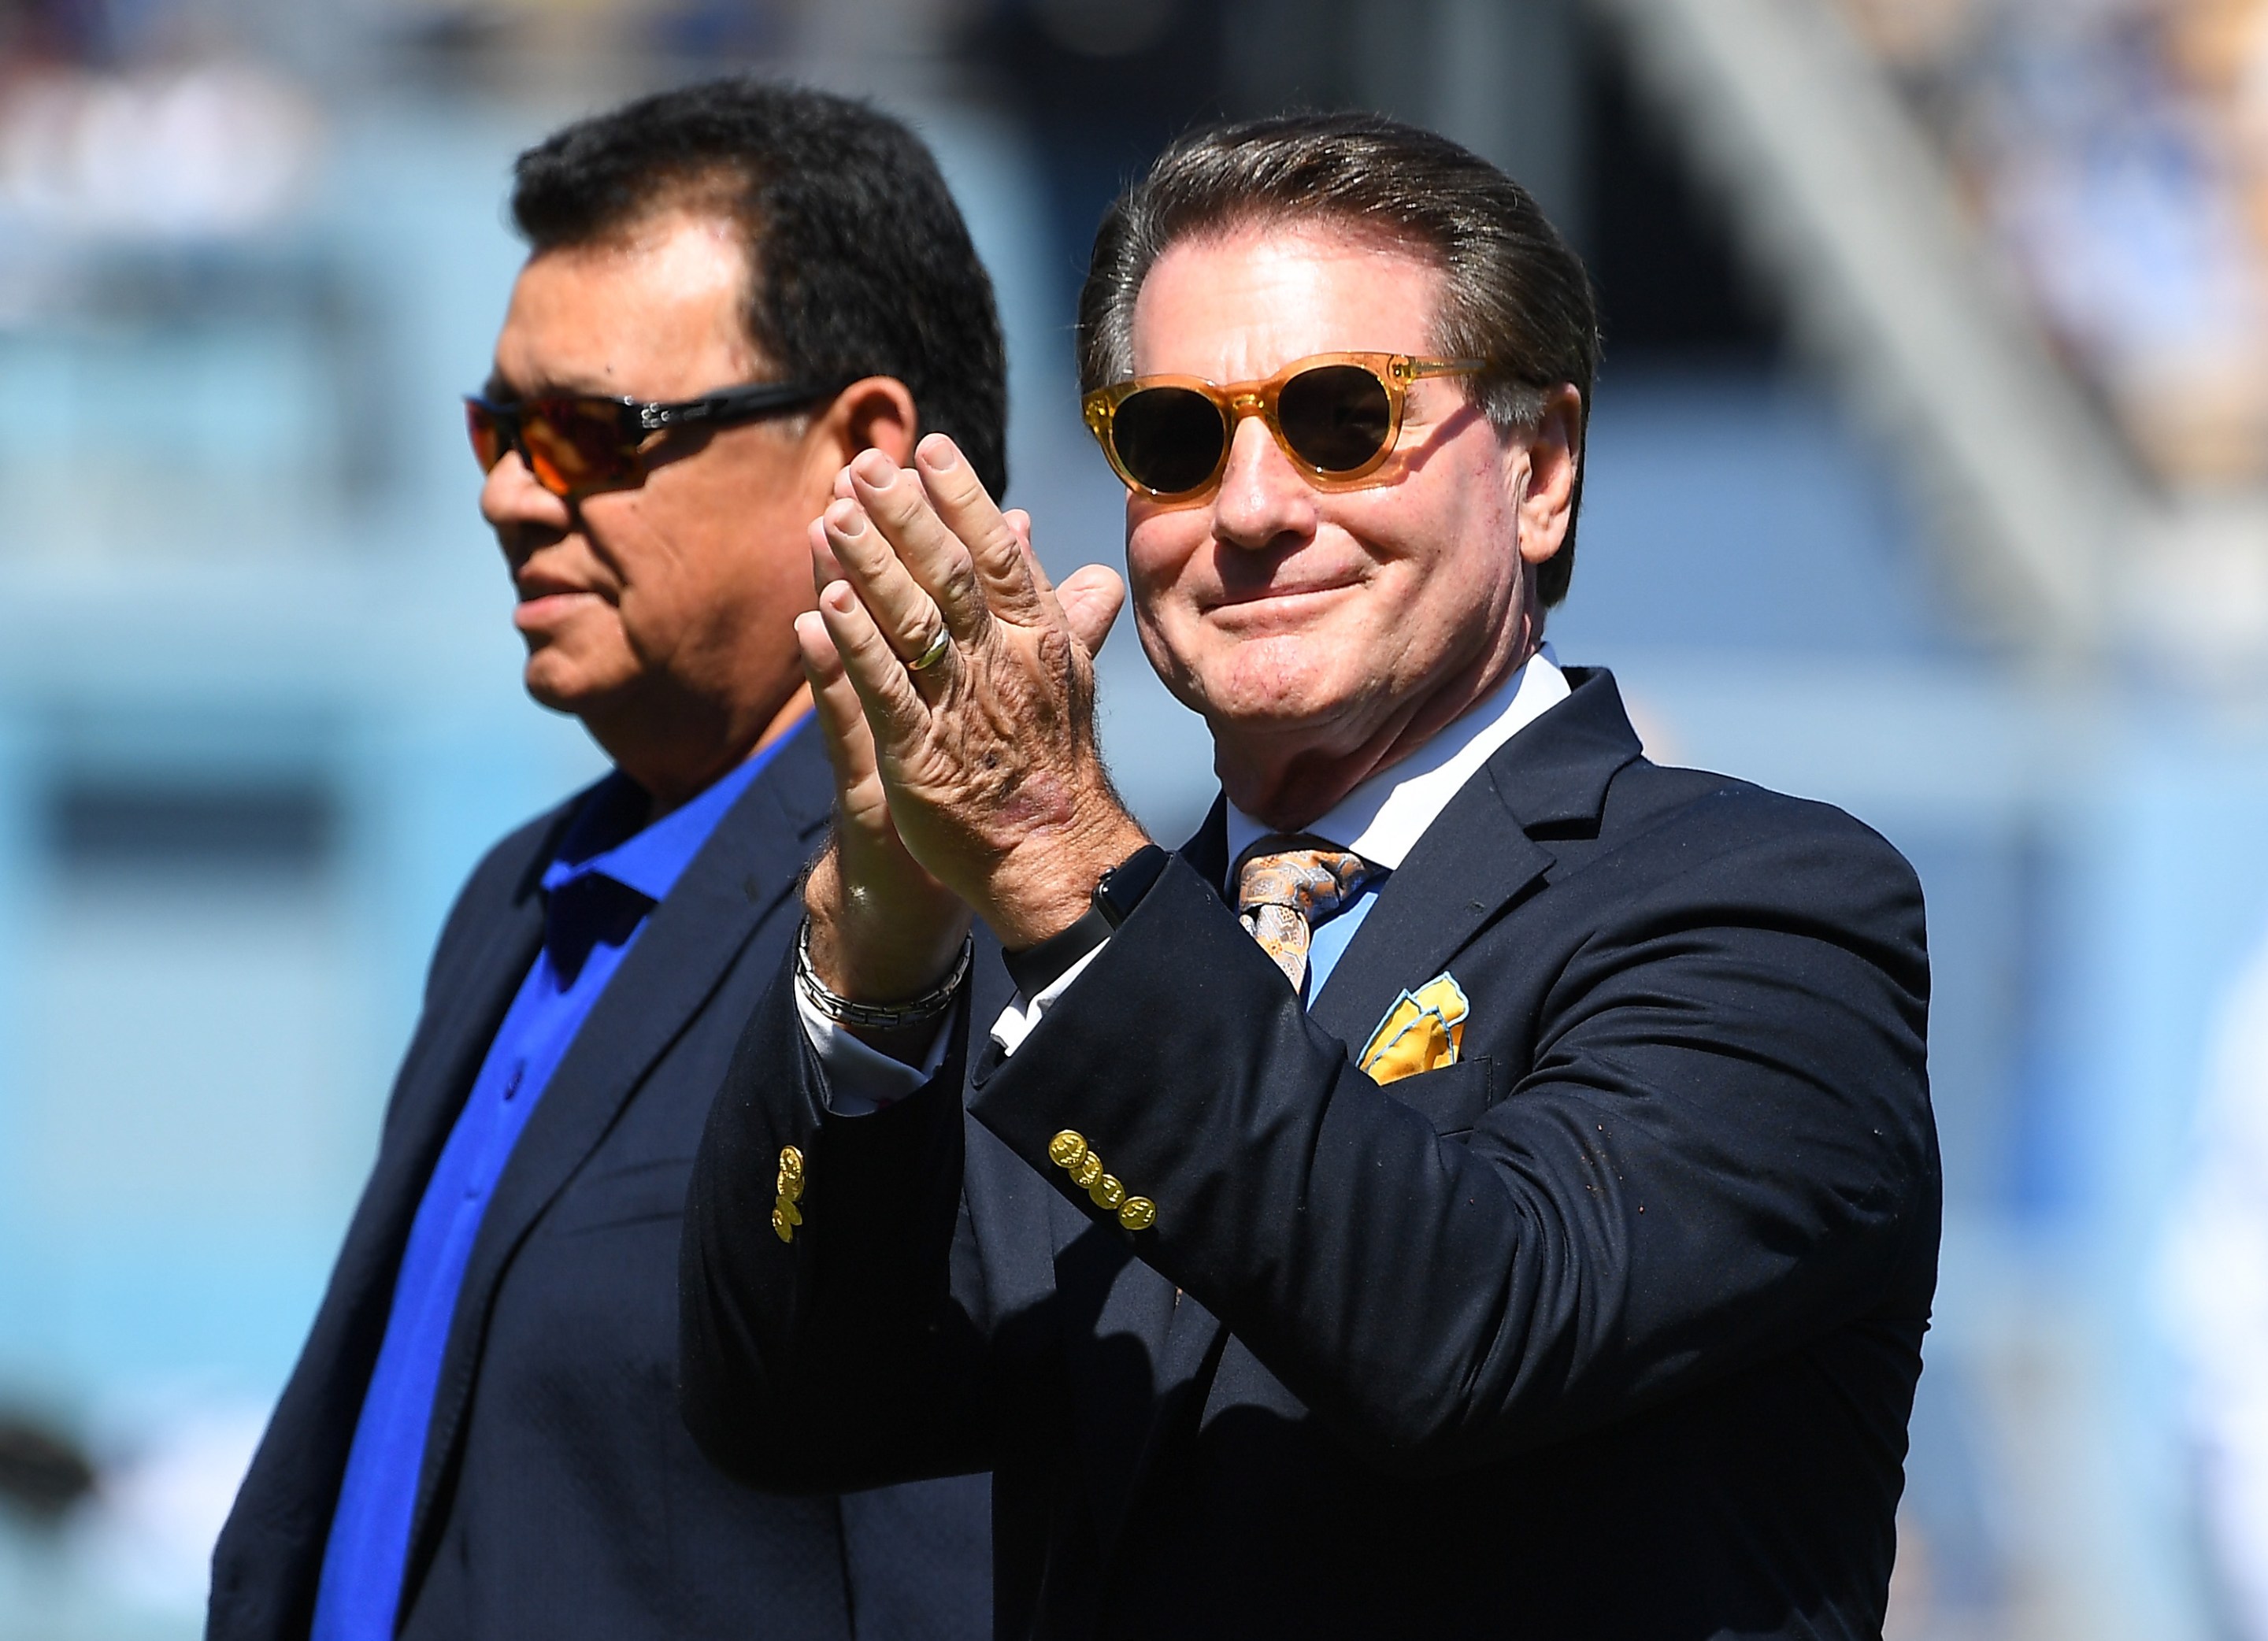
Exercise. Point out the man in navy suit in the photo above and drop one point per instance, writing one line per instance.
(1484, 1184)
(732, 290)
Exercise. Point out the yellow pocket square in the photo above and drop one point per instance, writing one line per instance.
(1422, 1032)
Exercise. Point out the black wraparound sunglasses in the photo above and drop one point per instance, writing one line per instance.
(576, 443)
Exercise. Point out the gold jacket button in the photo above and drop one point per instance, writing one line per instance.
(791, 1161)
(790, 1186)
(1088, 1171)
(781, 1226)
(789, 1211)
(1066, 1148)
(1138, 1214)
(1107, 1192)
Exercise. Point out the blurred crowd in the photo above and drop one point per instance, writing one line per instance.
(2115, 152)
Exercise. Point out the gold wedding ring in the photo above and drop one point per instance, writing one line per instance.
(935, 653)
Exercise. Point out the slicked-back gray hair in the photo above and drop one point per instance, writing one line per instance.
(1513, 292)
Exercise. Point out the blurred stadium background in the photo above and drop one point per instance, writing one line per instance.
(1930, 476)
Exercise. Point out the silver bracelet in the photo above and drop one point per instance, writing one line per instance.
(877, 1016)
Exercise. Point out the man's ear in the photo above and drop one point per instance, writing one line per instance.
(872, 413)
(1554, 458)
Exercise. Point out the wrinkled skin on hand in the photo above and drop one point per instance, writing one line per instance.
(975, 784)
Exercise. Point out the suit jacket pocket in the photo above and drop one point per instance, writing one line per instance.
(636, 1195)
(1451, 1099)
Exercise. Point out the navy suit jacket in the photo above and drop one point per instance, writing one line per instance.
(1608, 1329)
(561, 1495)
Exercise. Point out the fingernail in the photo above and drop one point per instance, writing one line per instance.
(938, 455)
(875, 468)
(847, 518)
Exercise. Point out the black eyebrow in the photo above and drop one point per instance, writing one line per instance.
(497, 390)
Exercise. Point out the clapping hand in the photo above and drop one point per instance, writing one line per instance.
(956, 688)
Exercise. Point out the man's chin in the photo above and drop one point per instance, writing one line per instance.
(561, 688)
(1277, 688)
(1258, 713)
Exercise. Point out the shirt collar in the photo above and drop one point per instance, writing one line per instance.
(607, 837)
(1382, 819)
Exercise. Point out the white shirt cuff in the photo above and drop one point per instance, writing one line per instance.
(1021, 1018)
(860, 1080)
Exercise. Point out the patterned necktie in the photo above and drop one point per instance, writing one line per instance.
(1283, 892)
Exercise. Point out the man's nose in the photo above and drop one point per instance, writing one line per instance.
(510, 497)
(1263, 497)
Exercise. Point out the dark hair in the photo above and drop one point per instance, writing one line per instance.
(859, 263)
(1513, 293)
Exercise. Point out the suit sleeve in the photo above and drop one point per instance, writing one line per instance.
(855, 1354)
(1716, 1146)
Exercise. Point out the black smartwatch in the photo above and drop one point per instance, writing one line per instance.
(1117, 895)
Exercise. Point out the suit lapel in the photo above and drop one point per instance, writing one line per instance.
(1207, 851)
(438, 1069)
(752, 862)
(1472, 862)
(447, 1055)
(1480, 854)
(476, 989)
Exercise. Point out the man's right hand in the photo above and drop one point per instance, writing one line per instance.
(883, 929)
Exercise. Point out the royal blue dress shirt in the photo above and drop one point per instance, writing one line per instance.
(610, 870)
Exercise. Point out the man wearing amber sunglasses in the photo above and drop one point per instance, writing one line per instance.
(1483, 1183)
(733, 291)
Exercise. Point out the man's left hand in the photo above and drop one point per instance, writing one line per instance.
(988, 754)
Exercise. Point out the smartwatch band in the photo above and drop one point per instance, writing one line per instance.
(1118, 892)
